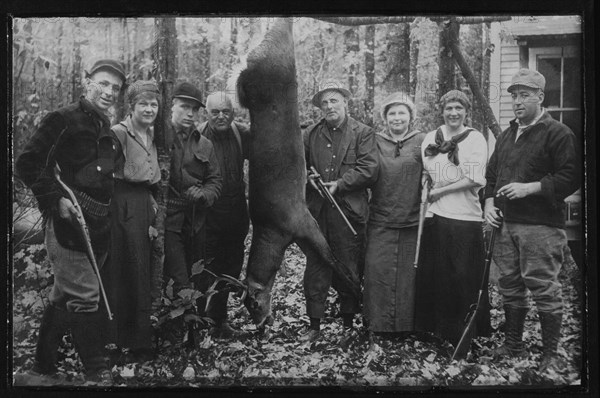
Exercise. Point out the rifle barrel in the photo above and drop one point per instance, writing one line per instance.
(334, 203)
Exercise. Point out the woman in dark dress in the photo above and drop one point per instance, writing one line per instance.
(133, 211)
(393, 221)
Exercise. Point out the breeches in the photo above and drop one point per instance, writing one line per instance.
(530, 257)
(76, 285)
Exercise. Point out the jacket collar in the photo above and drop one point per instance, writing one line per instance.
(88, 108)
(544, 119)
(385, 134)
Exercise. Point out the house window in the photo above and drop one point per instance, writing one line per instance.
(561, 66)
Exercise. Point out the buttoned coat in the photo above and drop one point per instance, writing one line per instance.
(354, 166)
(78, 137)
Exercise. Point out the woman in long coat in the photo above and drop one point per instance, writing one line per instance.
(455, 157)
(393, 221)
(133, 211)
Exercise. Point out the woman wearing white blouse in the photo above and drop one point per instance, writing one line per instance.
(455, 157)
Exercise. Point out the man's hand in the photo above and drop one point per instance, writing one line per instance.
(492, 214)
(332, 186)
(312, 175)
(518, 190)
(152, 232)
(194, 193)
(66, 210)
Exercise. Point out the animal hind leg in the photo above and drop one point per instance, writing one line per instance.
(266, 255)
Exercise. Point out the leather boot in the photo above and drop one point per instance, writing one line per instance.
(87, 338)
(551, 323)
(513, 346)
(52, 329)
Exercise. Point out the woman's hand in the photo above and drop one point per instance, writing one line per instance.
(435, 194)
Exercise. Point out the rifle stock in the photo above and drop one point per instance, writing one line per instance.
(462, 348)
(325, 192)
(84, 231)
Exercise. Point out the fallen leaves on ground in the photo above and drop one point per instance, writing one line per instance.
(276, 357)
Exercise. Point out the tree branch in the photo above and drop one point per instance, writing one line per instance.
(356, 21)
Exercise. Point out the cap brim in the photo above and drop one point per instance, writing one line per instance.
(190, 98)
(112, 68)
(530, 85)
(316, 99)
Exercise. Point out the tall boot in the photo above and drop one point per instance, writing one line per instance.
(87, 338)
(52, 329)
(551, 323)
(513, 341)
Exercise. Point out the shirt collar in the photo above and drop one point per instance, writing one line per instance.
(129, 124)
(341, 127)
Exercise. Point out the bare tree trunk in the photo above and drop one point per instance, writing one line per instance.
(474, 84)
(76, 72)
(369, 74)
(426, 38)
(446, 78)
(485, 73)
(351, 47)
(471, 37)
(414, 57)
(166, 55)
(398, 61)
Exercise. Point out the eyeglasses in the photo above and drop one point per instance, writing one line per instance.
(217, 112)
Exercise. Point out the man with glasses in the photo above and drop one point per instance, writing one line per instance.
(227, 220)
(77, 138)
(532, 170)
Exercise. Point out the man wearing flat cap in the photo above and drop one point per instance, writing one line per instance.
(343, 152)
(78, 139)
(194, 185)
(532, 170)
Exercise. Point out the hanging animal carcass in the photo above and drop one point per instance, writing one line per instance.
(268, 88)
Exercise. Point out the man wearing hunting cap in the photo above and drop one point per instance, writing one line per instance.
(194, 185)
(78, 139)
(532, 170)
(343, 152)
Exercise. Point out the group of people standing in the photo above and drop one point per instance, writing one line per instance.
(114, 174)
(383, 179)
(378, 180)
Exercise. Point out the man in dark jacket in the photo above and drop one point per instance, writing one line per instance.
(194, 185)
(343, 152)
(77, 138)
(227, 220)
(532, 170)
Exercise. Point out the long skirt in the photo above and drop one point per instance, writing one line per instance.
(128, 276)
(449, 277)
(389, 293)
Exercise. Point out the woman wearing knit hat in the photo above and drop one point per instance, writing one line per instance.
(455, 156)
(133, 211)
(393, 220)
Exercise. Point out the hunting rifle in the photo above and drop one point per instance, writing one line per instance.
(426, 183)
(325, 193)
(86, 236)
(462, 348)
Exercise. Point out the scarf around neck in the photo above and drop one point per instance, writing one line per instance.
(450, 147)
